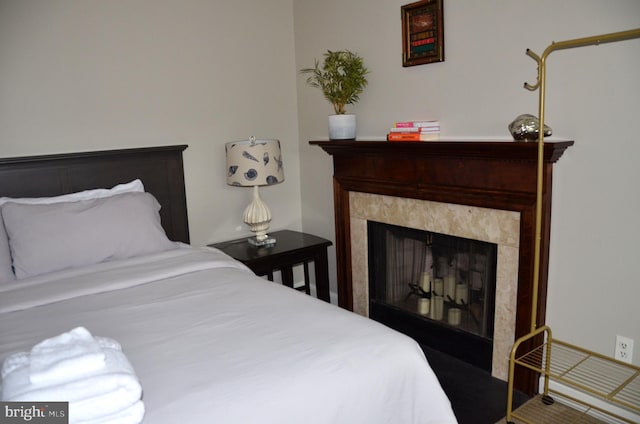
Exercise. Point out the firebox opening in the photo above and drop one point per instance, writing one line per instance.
(437, 288)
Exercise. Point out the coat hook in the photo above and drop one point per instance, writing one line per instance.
(533, 87)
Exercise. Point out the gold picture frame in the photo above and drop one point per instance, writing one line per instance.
(422, 32)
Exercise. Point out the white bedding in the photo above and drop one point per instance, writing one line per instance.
(211, 342)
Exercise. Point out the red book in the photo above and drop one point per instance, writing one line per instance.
(417, 124)
(399, 136)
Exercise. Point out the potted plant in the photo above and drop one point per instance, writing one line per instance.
(341, 78)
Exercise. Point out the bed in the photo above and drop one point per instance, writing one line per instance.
(208, 340)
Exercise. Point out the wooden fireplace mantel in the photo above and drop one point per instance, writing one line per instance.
(490, 174)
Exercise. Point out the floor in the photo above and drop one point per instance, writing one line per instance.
(476, 397)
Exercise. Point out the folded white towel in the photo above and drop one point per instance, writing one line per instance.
(64, 357)
(12, 362)
(107, 392)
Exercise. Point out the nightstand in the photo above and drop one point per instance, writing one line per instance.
(292, 248)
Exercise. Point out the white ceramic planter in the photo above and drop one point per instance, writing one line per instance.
(342, 127)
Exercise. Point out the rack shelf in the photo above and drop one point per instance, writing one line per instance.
(611, 381)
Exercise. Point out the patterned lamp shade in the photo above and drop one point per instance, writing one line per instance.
(254, 162)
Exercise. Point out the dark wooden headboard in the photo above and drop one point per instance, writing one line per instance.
(160, 169)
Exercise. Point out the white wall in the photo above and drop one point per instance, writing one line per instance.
(592, 97)
(101, 74)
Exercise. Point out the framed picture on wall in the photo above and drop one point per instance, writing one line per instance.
(422, 33)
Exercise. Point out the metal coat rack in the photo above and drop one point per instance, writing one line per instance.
(602, 377)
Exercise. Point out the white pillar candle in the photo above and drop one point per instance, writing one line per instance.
(462, 294)
(443, 266)
(450, 288)
(454, 316)
(437, 309)
(438, 286)
(423, 306)
(425, 281)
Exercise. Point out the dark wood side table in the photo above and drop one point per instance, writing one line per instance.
(292, 248)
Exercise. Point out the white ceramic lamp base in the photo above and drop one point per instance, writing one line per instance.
(258, 217)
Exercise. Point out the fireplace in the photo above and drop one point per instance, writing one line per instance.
(497, 227)
(437, 288)
(484, 190)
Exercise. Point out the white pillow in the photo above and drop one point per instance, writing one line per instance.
(6, 270)
(134, 186)
(51, 237)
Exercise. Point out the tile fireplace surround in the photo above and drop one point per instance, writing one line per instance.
(483, 190)
(490, 225)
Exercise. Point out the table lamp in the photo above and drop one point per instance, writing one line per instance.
(254, 163)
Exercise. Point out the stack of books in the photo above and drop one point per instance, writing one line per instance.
(423, 130)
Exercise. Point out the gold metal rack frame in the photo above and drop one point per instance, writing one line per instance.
(602, 377)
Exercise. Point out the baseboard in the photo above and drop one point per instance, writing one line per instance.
(585, 397)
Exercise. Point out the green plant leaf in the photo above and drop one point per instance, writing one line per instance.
(342, 77)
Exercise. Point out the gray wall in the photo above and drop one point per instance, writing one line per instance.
(101, 74)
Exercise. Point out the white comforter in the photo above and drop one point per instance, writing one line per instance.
(212, 343)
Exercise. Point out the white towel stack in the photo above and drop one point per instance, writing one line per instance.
(91, 373)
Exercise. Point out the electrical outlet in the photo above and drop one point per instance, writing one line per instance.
(624, 349)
